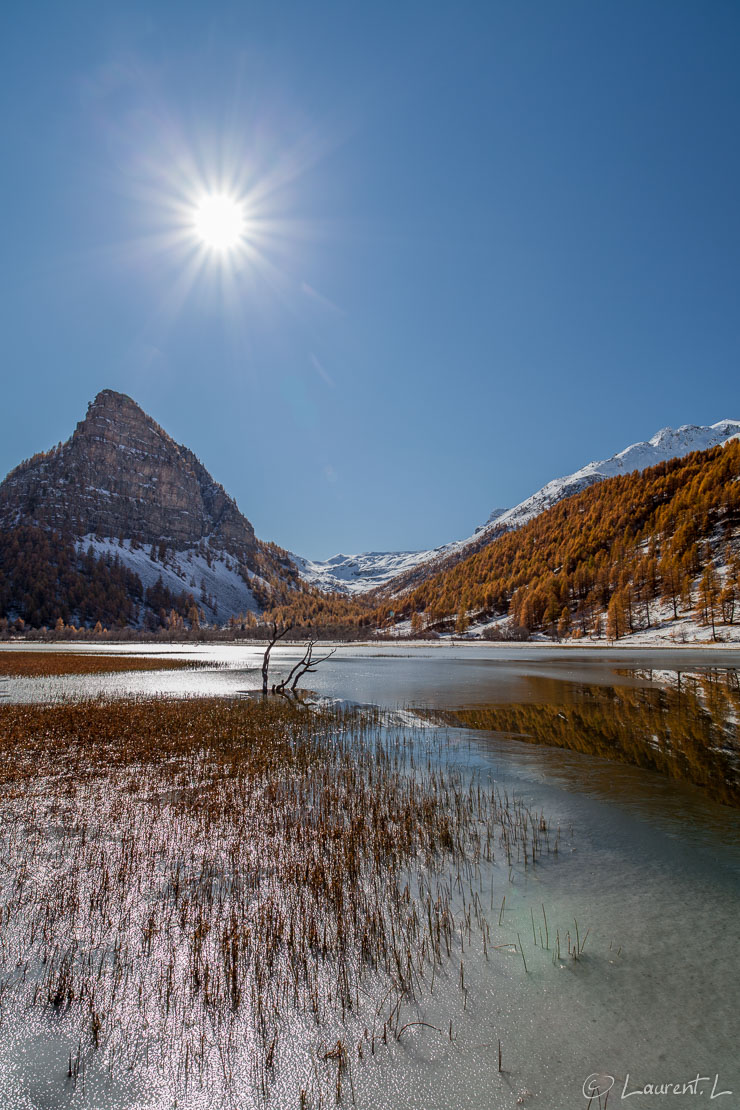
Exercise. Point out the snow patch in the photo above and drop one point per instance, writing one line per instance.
(214, 581)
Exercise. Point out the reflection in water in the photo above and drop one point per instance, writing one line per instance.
(685, 726)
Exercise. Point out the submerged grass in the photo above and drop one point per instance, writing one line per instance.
(179, 876)
(43, 664)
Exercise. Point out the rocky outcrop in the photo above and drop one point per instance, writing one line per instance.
(121, 475)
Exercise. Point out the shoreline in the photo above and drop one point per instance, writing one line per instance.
(508, 649)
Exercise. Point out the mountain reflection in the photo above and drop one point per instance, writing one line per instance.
(682, 724)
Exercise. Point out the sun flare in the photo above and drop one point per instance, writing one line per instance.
(218, 222)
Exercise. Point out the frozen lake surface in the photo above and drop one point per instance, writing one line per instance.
(650, 866)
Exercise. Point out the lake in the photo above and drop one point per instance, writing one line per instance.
(633, 757)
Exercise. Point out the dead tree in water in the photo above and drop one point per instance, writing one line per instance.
(306, 665)
(275, 635)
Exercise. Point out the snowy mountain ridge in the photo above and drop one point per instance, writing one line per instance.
(354, 574)
(668, 443)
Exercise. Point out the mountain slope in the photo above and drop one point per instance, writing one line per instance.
(400, 570)
(357, 574)
(666, 444)
(121, 491)
(120, 474)
(654, 546)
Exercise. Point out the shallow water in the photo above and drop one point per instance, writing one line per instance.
(439, 676)
(653, 999)
(650, 865)
(675, 711)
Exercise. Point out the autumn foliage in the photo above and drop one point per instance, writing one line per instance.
(608, 561)
(603, 559)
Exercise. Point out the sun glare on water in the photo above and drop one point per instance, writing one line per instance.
(218, 221)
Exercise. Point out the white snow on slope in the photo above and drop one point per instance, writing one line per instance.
(355, 574)
(218, 589)
(358, 573)
(665, 444)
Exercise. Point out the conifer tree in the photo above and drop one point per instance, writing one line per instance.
(616, 617)
(564, 623)
(708, 600)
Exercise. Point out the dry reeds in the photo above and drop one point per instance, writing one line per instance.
(43, 664)
(180, 875)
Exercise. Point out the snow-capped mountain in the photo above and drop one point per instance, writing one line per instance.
(145, 504)
(356, 574)
(373, 569)
(668, 443)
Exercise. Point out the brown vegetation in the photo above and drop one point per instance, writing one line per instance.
(613, 550)
(178, 878)
(38, 664)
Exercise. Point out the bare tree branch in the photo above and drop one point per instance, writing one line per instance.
(299, 664)
(275, 635)
(312, 665)
(306, 665)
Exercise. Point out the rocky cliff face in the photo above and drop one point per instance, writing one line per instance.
(121, 475)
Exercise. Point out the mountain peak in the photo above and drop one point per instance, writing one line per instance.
(110, 400)
(666, 444)
(121, 475)
(106, 395)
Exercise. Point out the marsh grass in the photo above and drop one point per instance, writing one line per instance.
(180, 876)
(43, 664)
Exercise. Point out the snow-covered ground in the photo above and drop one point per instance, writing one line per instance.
(216, 586)
(665, 631)
(674, 633)
(683, 632)
(359, 573)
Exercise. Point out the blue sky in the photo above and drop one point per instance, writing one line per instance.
(488, 243)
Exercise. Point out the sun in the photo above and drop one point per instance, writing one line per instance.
(218, 221)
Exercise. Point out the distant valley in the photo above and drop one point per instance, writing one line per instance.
(373, 569)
